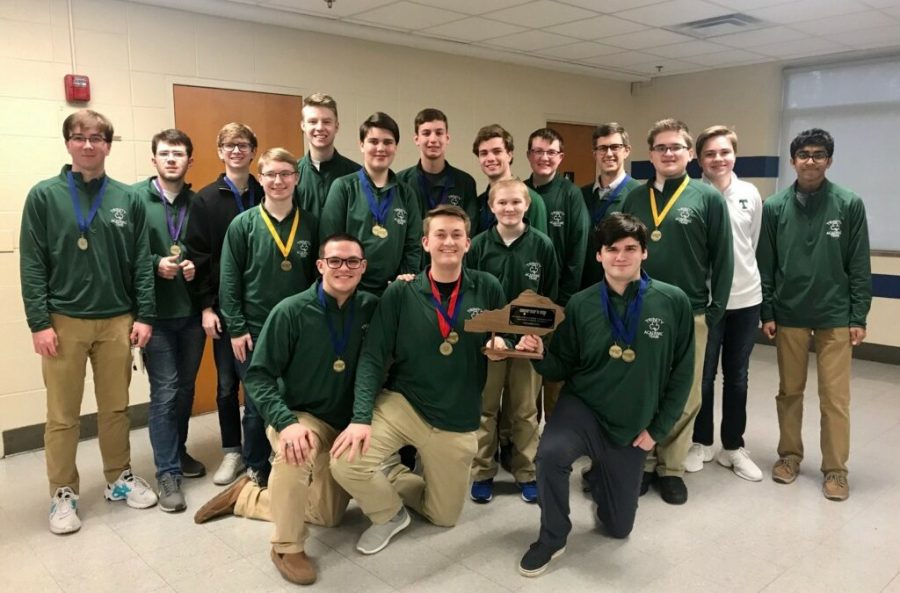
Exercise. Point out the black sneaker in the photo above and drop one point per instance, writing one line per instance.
(672, 489)
(585, 480)
(191, 468)
(537, 558)
(646, 481)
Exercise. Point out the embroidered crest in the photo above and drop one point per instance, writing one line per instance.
(654, 328)
(455, 200)
(557, 218)
(684, 216)
(473, 311)
(400, 215)
(533, 271)
(118, 217)
(834, 228)
(303, 248)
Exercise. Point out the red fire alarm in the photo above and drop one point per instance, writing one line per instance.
(78, 88)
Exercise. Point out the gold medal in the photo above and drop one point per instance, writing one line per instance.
(286, 265)
(339, 366)
(628, 355)
(379, 231)
(175, 250)
(446, 348)
(452, 337)
(656, 235)
(615, 351)
(82, 243)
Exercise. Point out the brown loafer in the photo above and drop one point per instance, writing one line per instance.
(222, 503)
(296, 568)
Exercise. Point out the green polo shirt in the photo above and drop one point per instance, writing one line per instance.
(113, 276)
(403, 341)
(814, 260)
(536, 215)
(347, 211)
(292, 360)
(529, 262)
(696, 252)
(598, 210)
(626, 398)
(251, 279)
(313, 184)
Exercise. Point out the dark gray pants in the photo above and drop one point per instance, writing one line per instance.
(615, 478)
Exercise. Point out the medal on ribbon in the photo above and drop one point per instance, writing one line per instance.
(284, 248)
(602, 206)
(84, 223)
(174, 229)
(624, 328)
(379, 211)
(338, 343)
(447, 317)
(237, 195)
(658, 217)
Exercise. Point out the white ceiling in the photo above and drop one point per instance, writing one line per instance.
(617, 39)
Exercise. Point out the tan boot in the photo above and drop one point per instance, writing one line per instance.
(836, 486)
(296, 568)
(222, 503)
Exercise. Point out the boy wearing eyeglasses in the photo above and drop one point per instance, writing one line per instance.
(813, 258)
(87, 286)
(215, 206)
(301, 379)
(691, 247)
(268, 255)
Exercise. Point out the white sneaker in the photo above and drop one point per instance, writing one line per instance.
(697, 455)
(64, 512)
(231, 468)
(135, 491)
(739, 461)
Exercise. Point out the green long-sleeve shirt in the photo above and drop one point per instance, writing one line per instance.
(536, 215)
(251, 279)
(174, 299)
(445, 390)
(113, 276)
(814, 259)
(649, 393)
(313, 184)
(293, 357)
(568, 227)
(347, 211)
(529, 262)
(696, 252)
(598, 210)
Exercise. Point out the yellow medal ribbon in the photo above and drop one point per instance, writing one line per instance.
(285, 248)
(657, 217)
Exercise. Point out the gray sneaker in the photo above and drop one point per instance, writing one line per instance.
(377, 537)
(171, 499)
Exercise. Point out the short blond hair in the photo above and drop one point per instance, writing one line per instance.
(277, 155)
(516, 185)
(446, 210)
(236, 131)
(320, 100)
(670, 124)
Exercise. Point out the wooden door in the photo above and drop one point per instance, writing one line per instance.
(578, 163)
(201, 112)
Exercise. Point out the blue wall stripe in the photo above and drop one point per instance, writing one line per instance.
(886, 286)
(744, 166)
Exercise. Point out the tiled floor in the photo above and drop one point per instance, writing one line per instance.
(732, 536)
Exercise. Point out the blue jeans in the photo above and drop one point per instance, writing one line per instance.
(256, 444)
(733, 337)
(227, 383)
(172, 357)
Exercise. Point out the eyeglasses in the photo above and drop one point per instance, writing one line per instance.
(241, 147)
(664, 148)
(272, 176)
(171, 154)
(604, 148)
(81, 139)
(819, 156)
(335, 263)
(542, 153)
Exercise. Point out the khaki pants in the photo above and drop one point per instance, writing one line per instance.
(519, 407)
(833, 354)
(438, 494)
(296, 495)
(667, 458)
(106, 343)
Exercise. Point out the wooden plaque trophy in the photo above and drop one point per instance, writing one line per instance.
(528, 313)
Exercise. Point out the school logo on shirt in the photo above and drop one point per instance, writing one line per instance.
(557, 218)
(400, 215)
(653, 328)
(533, 271)
(834, 228)
(303, 248)
(455, 200)
(473, 311)
(743, 203)
(684, 216)
(118, 217)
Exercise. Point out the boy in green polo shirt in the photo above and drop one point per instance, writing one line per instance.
(378, 209)
(626, 353)
(322, 163)
(521, 258)
(268, 255)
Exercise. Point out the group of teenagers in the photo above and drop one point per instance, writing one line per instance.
(337, 294)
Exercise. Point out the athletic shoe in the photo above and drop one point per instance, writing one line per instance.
(836, 486)
(171, 498)
(230, 469)
(529, 491)
(377, 537)
(537, 558)
(785, 470)
(482, 491)
(191, 468)
(740, 463)
(697, 455)
(64, 512)
(672, 489)
(136, 492)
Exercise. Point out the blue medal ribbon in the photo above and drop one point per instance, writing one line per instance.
(84, 224)
(174, 231)
(426, 189)
(339, 343)
(237, 194)
(624, 330)
(379, 211)
(597, 214)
